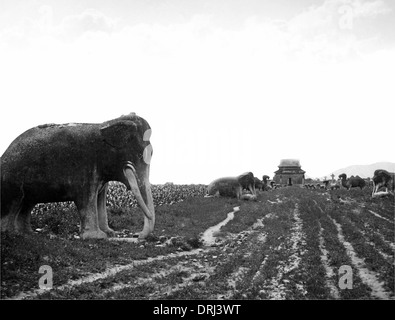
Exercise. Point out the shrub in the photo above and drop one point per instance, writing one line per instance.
(61, 218)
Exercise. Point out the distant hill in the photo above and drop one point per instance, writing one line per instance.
(364, 171)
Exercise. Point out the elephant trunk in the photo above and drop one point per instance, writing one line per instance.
(141, 188)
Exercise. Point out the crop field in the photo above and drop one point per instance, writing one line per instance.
(292, 243)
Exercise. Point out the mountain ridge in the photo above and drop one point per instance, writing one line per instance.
(364, 171)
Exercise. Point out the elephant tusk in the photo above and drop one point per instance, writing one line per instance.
(130, 174)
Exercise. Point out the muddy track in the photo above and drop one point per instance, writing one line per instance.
(270, 260)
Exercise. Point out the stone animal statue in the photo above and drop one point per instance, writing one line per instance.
(258, 184)
(331, 185)
(383, 178)
(232, 186)
(225, 187)
(265, 179)
(352, 182)
(247, 181)
(274, 186)
(75, 162)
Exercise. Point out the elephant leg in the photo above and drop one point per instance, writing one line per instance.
(239, 191)
(87, 208)
(148, 227)
(17, 216)
(9, 214)
(102, 212)
(22, 222)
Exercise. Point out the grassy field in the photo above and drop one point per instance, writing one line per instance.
(292, 243)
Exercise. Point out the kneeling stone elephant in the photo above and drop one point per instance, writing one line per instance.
(232, 186)
(75, 162)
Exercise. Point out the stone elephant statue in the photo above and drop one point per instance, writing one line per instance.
(247, 181)
(232, 186)
(265, 179)
(258, 184)
(225, 187)
(261, 184)
(75, 162)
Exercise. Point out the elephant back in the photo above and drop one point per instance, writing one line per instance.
(49, 147)
(224, 186)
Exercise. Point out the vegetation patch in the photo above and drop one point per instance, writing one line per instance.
(272, 249)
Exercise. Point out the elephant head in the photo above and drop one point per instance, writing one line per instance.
(129, 137)
(75, 162)
(247, 181)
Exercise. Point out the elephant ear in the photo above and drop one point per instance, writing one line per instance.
(119, 133)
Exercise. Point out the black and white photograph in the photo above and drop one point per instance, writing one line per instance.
(216, 152)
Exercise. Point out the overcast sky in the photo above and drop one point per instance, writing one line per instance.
(227, 86)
